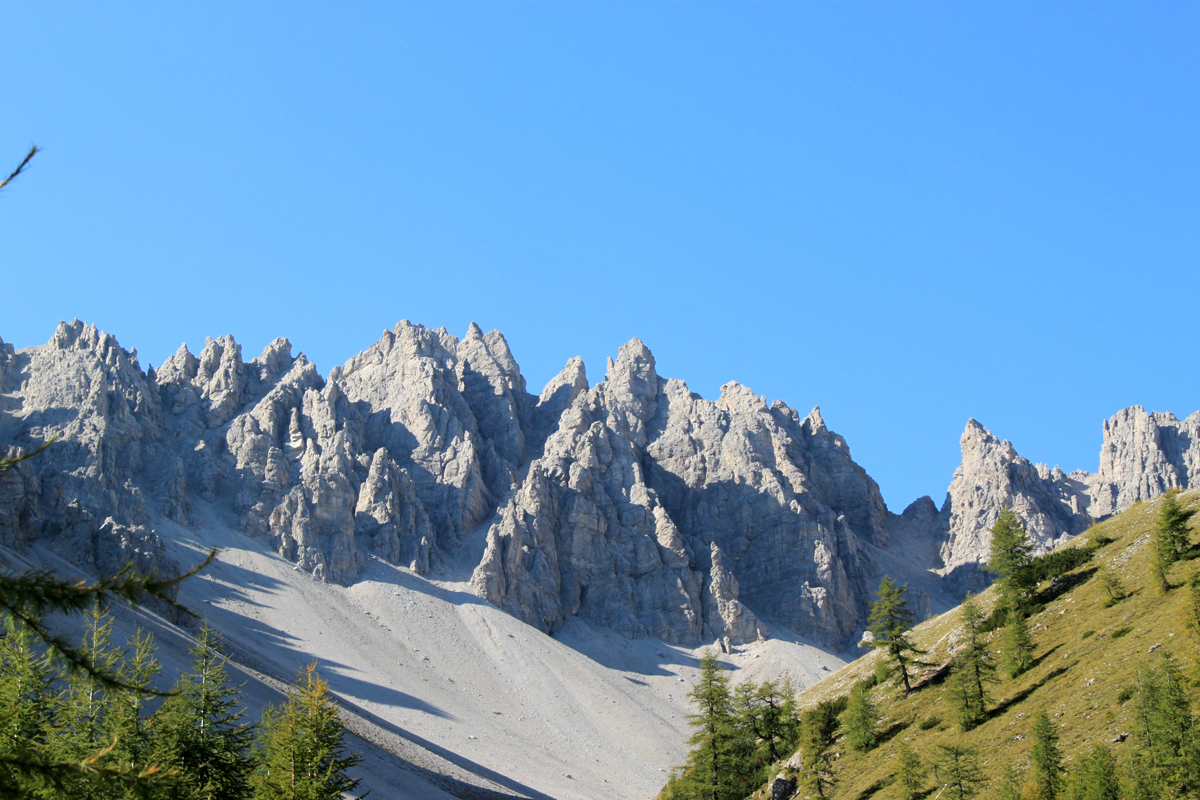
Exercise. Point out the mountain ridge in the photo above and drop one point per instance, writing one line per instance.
(633, 503)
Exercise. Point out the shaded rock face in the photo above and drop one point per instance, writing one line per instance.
(662, 514)
(1144, 455)
(1052, 505)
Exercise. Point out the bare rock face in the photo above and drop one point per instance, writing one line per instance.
(1144, 455)
(1052, 505)
(85, 496)
(662, 514)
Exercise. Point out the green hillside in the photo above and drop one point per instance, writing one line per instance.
(1088, 656)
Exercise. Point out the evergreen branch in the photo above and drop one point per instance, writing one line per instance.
(57, 773)
(5, 463)
(33, 151)
(25, 599)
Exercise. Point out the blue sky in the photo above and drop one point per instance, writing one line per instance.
(909, 214)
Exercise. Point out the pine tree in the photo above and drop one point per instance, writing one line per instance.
(1046, 757)
(860, 720)
(1011, 554)
(973, 668)
(958, 768)
(301, 753)
(910, 773)
(1016, 645)
(889, 622)
(199, 728)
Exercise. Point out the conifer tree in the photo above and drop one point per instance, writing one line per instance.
(1171, 532)
(959, 770)
(1016, 645)
(973, 668)
(1011, 554)
(1011, 786)
(860, 720)
(910, 773)
(818, 730)
(1113, 586)
(1170, 539)
(789, 717)
(889, 623)
(1142, 784)
(767, 718)
(1169, 728)
(199, 729)
(27, 707)
(711, 768)
(1095, 776)
(1192, 609)
(1046, 757)
(301, 753)
(84, 704)
(125, 723)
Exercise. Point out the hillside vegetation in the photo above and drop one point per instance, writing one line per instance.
(1091, 656)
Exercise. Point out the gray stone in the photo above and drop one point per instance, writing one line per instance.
(1144, 455)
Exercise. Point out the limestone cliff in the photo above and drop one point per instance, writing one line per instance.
(662, 514)
(1143, 455)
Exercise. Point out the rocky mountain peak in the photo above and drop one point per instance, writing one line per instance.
(1143, 455)
(991, 478)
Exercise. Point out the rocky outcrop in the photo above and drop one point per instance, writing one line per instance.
(1143, 455)
(84, 497)
(663, 514)
(1052, 505)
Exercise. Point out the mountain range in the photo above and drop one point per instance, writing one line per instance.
(633, 503)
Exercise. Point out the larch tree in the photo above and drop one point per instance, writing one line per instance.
(973, 668)
(860, 720)
(910, 773)
(818, 731)
(200, 730)
(1010, 557)
(1046, 758)
(1095, 776)
(1172, 528)
(889, 623)
(1171, 539)
(301, 752)
(27, 712)
(959, 771)
(1016, 645)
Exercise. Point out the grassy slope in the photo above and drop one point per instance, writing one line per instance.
(1077, 680)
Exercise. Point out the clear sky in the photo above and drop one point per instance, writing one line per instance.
(908, 214)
